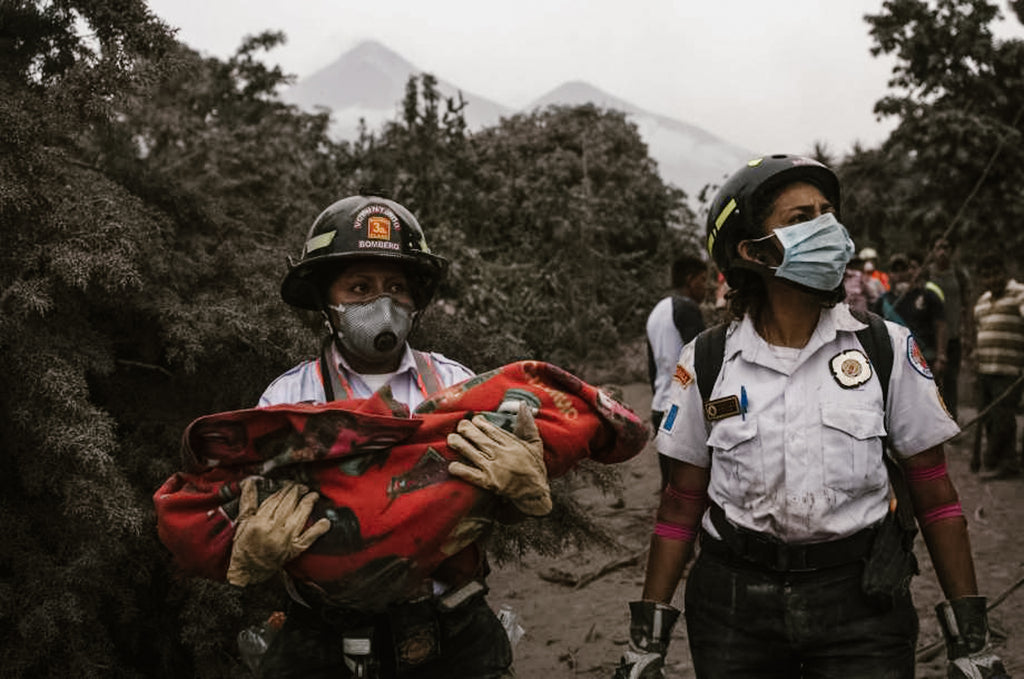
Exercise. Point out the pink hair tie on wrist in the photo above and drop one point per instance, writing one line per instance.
(686, 495)
(674, 531)
(927, 473)
(950, 511)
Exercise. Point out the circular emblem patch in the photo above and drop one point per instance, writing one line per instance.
(850, 368)
(916, 358)
(418, 647)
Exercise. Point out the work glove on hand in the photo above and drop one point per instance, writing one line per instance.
(510, 464)
(964, 624)
(650, 630)
(270, 534)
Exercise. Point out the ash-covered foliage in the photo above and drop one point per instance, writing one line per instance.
(148, 200)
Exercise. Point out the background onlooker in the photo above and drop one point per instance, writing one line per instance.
(909, 303)
(954, 283)
(862, 291)
(870, 257)
(674, 321)
(999, 357)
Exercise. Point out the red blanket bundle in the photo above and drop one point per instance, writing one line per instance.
(382, 476)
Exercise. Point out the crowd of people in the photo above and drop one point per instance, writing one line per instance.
(802, 397)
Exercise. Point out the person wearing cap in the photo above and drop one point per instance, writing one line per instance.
(366, 268)
(775, 426)
(870, 258)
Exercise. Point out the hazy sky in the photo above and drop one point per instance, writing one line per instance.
(768, 76)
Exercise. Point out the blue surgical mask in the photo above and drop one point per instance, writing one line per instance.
(814, 253)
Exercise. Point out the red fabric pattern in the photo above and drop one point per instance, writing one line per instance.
(396, 513)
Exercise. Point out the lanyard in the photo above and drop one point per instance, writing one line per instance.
(335, 384)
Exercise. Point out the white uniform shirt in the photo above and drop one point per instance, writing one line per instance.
(665, 343)
(805, 462)
(302, 383)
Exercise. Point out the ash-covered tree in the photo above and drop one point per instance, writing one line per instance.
(557, 224)
(955, 161)
(70, 519)
(578, 233)
(148, 199)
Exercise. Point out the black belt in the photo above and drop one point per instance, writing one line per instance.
(773, 554)
(312, 604)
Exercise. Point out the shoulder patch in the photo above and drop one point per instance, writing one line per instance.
(916, 359)
(669, 421)
(683, 377)
(850, 368)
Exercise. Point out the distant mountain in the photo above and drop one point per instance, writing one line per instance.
(369, 82)
(687, 155)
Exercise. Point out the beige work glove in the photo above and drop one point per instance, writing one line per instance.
(510, 464)
(270, 534)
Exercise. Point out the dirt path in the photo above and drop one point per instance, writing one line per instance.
(581, 632)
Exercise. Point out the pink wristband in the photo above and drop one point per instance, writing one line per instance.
(686, 495)
(950, 511)
(674, 531)
(927, 473)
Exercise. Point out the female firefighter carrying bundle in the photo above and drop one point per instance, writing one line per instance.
(366, 267)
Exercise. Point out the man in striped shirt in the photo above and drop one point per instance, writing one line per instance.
(999, 357)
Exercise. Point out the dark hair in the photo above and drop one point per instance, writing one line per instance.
(899, 262)
(748, 294)
(686, 266)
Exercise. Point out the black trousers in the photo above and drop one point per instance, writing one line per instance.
(743, 622)
(1001, 452)
(951, 378)
(473, 645)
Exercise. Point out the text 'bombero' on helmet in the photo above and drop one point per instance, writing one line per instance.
(361, 227)
(733, 215)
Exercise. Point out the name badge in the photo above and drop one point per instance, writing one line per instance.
(721, 408)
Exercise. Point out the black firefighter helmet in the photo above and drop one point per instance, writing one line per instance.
(361, 227)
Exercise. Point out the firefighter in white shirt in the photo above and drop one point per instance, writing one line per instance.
(366, 267)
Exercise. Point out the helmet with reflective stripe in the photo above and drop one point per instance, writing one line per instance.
(361, 227)
(734, 217)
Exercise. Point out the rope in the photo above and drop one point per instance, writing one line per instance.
(981, 415)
